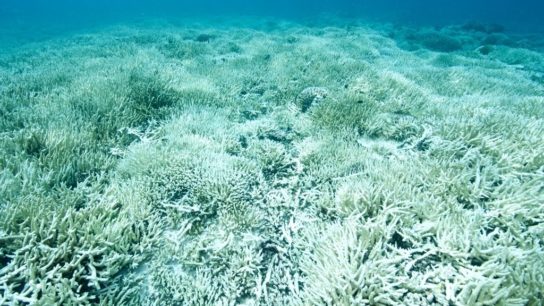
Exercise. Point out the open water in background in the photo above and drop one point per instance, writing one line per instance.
(34, 19)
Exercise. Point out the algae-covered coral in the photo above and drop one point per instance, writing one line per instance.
(278, 164)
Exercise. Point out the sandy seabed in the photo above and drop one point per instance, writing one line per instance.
(273, 163)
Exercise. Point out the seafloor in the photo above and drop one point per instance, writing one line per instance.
(273, 163)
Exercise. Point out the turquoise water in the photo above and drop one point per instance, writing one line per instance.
(522, 15)
(525, 13)
(271, 153)
(24, 21)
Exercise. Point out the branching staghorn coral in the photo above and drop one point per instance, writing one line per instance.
(147, 168)
(67, 255)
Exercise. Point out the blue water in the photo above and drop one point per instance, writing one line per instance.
(522, 15)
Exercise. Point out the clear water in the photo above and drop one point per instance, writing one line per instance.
(523, 15)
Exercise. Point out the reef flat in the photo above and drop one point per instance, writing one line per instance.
(273, 163)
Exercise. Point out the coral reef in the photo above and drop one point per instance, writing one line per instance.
(274, 164)
(310, 96)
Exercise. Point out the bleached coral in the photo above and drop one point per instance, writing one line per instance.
(310, 96)
(346, 171)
